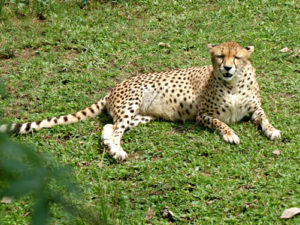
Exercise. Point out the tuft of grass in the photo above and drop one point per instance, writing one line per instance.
(71, 58)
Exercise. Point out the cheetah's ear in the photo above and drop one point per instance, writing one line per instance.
(210, 47)
(250, 49)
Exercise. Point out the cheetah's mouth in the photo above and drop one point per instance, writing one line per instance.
(227, 75)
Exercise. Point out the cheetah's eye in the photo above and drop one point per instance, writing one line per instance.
(220, 56)
(236, 57)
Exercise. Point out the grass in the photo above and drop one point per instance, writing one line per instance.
(62, 57)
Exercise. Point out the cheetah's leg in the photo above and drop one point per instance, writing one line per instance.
(259, 118)
(112, 134)
(227, 133)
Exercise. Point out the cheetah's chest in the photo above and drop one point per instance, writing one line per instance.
(234, 108)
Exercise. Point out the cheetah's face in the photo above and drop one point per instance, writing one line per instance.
(229, 59)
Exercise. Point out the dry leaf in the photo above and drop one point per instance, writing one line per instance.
(248, 205)
(162, 44)
(84, 163)
(210, 202)
(288, 213)
(149, 214)
(276, 152)
(6, 200)
(296, 52)
(286, 49)
(92, 181)
(166, 213)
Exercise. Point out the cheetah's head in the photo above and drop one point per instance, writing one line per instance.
(229, 59)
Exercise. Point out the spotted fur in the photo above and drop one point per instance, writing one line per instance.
(212, 95)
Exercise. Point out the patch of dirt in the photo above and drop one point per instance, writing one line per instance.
(27, 53)
(16, 22)
(47, 137)
(71, 54)
(5, 69)
(135, 156)
(206, 174)
(132, 63)
(260, 75)
(159, 192)
(154, 158)
(247, 187)
(286, 95)
(40, 17)
(177, 130)
(8, 54)
(10, 90)
(11, 112)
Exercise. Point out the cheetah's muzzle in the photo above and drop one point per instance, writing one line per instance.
(227, 75)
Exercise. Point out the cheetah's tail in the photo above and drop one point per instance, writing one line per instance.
(24, 128)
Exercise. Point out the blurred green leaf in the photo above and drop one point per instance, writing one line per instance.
(25, 185)
(41, 210)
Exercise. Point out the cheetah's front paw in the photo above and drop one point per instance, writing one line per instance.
(272, 133)
(115, 150)
(118, 153)
(231, 138)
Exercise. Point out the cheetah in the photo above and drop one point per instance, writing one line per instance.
(213, 95)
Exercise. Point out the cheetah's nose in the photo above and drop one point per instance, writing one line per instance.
(227, 68)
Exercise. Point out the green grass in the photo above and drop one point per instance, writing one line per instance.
(76, 54)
